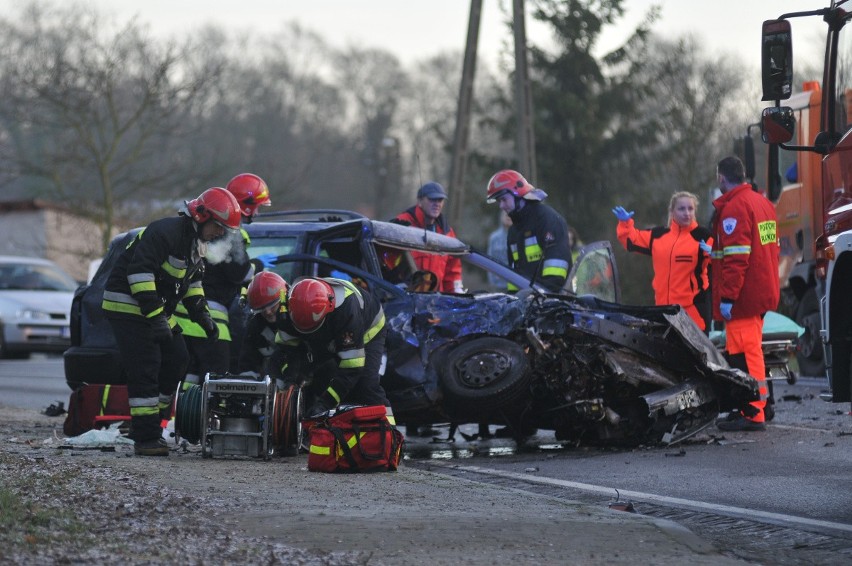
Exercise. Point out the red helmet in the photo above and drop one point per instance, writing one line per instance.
(218, 205)
(310, 300)
(251, 192)
(266, 289)
(511, 181)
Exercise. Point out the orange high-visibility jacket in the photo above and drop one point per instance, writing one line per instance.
(745, 255)
(680, 267)
(447, 268)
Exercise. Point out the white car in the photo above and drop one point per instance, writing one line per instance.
(35, 306)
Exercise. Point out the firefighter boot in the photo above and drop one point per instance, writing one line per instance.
(156, 447)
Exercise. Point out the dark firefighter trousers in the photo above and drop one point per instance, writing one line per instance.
(153, 373)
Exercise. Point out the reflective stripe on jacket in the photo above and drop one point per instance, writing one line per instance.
(157, 269)
(539, 231)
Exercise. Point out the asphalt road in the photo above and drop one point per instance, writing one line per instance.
(33, 384)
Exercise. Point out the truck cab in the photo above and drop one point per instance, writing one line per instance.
(832, 145)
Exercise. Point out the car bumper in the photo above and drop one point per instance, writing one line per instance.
(29, 337)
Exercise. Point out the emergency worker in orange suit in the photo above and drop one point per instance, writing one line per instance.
(745, 282)
(427, 214)
(680, 254)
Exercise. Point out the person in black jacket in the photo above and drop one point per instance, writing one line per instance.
(538, 242)
(334, 320)
(163, 265)
(228, 270)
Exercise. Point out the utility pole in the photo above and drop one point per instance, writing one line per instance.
(525, 144)
(458, 166)
(524, 141)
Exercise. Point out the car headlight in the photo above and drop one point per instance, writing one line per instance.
(30, 314)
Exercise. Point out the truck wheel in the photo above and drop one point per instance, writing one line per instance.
(484, 374)
(809, 349)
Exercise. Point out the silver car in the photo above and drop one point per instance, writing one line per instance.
(35, 305)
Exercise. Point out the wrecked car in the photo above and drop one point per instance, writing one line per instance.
(578, 362)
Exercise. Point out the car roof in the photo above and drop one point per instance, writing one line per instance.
(389, 234)
(25, 259)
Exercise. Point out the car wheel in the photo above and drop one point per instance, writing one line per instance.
(484, 374)
(809, 349)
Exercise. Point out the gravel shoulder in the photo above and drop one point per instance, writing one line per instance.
(62, 505)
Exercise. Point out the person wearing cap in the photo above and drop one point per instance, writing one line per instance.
(427, 214)
(538, 245)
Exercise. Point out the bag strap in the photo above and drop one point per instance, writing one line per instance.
(382, 429)
(344, 447)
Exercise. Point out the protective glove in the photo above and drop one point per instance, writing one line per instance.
(160, 329)
(320, 408)
(725, 309)
(268, 260)
(705, 247)
(209, 326)
(622, 214)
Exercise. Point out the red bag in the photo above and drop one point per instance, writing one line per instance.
(91, 406)
(355, 439)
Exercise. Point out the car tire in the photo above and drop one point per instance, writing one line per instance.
(484, 374)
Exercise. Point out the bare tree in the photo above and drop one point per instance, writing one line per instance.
(91, 111)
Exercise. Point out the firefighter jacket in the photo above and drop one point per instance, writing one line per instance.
(223, 282)
(160, 267)
(356, 319)
(539, 235)
(680, 267)
(447, 269)
(744, 268)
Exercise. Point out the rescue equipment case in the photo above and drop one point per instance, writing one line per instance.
(95, 405)
(354, 438)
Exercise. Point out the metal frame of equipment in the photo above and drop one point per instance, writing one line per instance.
(245, 432)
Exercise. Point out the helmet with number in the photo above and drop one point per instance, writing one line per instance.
(266, 289)
(509, 181)
(251, 192)
(310, 301)
(218, 205)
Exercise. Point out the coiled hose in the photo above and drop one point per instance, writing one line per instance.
(188, 417)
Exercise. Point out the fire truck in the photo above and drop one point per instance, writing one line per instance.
(831, 145)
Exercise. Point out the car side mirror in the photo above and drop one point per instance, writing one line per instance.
(777, 124)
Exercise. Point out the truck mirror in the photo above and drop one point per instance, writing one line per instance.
(777, 124)
(777, 60)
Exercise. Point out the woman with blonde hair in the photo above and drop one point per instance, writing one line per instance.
(680, 254)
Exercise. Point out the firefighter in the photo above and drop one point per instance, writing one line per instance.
(538, 245)
(267, 300)
(427, 214)
(162, 265)
(225, 276)
(745, 283)
(333, 319)
(680, 253)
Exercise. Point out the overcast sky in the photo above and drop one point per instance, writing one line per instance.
(416, 29)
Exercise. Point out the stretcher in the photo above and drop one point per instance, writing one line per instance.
(780, 334)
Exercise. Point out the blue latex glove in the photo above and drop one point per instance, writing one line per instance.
(340, 275)
(725, 309)
(705, 247)
(268, 260)
(622, 214)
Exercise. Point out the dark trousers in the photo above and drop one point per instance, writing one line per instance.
(153, 370)
(363, 388)
(208, 356)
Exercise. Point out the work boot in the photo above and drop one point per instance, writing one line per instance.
(740, 424)
(156, 447)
